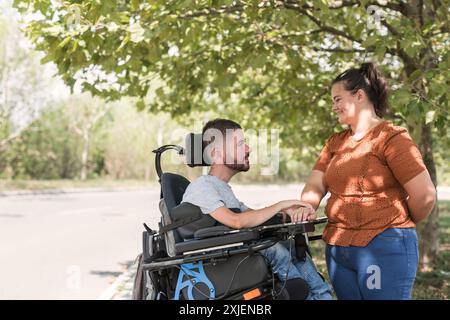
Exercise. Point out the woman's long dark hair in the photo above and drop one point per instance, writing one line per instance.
(369, 79)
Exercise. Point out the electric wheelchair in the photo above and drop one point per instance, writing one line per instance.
(194, 257)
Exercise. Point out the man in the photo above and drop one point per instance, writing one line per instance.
(228, 154)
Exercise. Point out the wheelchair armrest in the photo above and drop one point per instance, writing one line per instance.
(186, 210)
(211, 232)
(191, 219)
(232, 237)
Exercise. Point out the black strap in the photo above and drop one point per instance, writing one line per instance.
(177, 223)
(301, 247)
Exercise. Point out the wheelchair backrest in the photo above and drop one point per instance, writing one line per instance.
(173, 187)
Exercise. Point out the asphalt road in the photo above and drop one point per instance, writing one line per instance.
(69, 246)
(73, 245)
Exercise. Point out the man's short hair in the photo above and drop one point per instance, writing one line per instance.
(221, 125)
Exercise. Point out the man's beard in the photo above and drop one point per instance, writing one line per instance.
(240, 167)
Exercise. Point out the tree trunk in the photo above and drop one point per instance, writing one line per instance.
(429, 229)
(84, 156)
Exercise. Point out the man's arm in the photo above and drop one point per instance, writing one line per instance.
(253, 218)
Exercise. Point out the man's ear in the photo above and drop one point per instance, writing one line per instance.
(216, 156)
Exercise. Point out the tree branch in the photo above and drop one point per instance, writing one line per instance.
(341, 50)
(300, 34)
(390, 28)
(421, 13)
(399, 7)
(332, 7)
(322, 26)
(213, 11)
(399, 50)
(284, 4)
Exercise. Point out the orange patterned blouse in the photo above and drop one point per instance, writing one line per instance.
(365, 181)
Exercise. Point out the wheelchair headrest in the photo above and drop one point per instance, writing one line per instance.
(194, 151)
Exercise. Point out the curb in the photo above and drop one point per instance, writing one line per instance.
(122, 287)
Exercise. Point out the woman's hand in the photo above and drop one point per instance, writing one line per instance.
(296, 210)
(301, 214)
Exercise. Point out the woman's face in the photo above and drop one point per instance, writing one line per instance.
(344, 103)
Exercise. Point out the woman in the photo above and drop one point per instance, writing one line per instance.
(380, 189)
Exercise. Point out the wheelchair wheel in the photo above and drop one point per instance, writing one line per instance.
(153, 285)
(138, 285)
(143, 287)
(295, 289)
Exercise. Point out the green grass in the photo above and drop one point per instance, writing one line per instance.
(11, 185)
(434, 284)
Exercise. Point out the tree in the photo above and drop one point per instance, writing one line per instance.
(22, 80)
(275, 58)
(46, 150)
(85, 112)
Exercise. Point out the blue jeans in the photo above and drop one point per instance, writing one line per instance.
(384, 269)
(285, 264)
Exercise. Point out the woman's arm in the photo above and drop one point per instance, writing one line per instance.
(405, 161)
(422, 196)
(312, 193)
(314, 190)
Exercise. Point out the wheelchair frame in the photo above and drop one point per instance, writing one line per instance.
(162, 258)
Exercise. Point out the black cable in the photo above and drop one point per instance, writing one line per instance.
(232, 278)
(275, 294)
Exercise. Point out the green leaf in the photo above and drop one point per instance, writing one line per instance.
(370, 41)
(154, 53)
(380, 53)
(402, 96)
(413, 76)
(64, 42)
(135, 5)
(124, 42)
(140, 105)
(47, 58)
(160, 92)
(259, 61)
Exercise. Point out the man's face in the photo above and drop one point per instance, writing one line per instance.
(229, 149)
(237, 151)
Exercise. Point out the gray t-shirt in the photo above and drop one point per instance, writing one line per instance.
(210, 193)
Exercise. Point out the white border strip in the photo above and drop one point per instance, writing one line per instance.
(123, 279)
